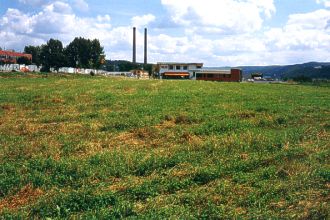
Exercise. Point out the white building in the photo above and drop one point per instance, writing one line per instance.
(169, 70)
(195, 71)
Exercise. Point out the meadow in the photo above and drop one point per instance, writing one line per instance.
(83, 147)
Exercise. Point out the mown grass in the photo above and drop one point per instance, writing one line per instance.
(101, 148)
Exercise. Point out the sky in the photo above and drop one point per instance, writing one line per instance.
(215, 32)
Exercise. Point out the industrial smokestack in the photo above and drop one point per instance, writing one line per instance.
(134, 44)
(145, 46)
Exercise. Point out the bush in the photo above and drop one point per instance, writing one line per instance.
(302, 79)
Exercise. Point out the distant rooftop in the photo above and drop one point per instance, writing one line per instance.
(12, 53)
(176, 63)
(214, 71)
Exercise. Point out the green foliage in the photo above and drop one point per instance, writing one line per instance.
(52, 55)
(126, 66)
(205, 176)
(80, 53)
(83, 147)
(24, 60)
(63, 206)
(121, 65)
(35, 51)
(324, 174)
(302, 78)
(84, 53)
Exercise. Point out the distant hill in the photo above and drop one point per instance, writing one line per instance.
(314, 70)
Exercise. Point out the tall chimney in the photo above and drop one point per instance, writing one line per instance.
(145, 46)
(134, 44)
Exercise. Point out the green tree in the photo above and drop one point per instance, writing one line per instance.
(24, 60)
(52, 55)
(148, 68)
(35, 51)
(128, 66)
(77, 53)
(84, 53)
(97, 54)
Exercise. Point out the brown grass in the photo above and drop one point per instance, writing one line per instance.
(25, 196)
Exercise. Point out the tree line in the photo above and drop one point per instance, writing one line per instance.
(126, 66)
(80, 53)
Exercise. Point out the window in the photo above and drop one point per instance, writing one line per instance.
(171, 67)
(164, 67)
(177, 67)
(185, 67)
(199, 67)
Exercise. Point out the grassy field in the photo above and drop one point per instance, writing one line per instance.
(94, 147)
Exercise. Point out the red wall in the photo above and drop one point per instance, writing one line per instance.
(235, 76)
(12, 56)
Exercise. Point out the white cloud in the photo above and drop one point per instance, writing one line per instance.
(144, 20)
(81, 5)
(58, 7)
(218, 33)
(55, 20)
(33, 2)
(105, 18)
(15, 21)
(229, 50)
(325, 2)
(303, 31)
(305, 37)
(226, 16)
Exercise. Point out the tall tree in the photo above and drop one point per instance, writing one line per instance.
(76, 53)
(84, 53)
(35, 51)
(97, 54)
(52, 55)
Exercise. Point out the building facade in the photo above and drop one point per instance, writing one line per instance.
(11, 56)
(177, 70)
(227, 75)
(195, 71)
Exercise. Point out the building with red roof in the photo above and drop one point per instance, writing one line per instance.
(11, 56)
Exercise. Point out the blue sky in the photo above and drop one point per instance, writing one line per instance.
(216, 32)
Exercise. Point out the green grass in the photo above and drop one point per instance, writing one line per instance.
(102, 148)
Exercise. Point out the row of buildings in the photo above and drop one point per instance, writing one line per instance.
(19, 68)
(11, 57)
(195, 71)
(163, 70)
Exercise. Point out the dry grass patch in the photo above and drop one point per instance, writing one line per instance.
(25, 196)
(128, 138)
(7, 107)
